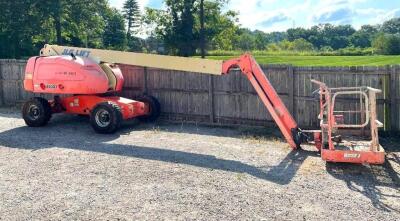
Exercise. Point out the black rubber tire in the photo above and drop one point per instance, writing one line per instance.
(114, 117)
(83, 116)
(155, 108)
(36, 112)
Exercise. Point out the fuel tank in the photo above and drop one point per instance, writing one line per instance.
(71, 75)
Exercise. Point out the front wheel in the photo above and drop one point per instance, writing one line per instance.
(36, 112)
(106, 117)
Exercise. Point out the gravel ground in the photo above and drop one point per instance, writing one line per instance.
(183, 172)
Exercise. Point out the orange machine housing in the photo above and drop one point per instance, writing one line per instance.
(71, 75)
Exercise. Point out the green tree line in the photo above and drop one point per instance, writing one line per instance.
(26, 25)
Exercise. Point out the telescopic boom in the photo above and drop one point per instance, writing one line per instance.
(246, 63)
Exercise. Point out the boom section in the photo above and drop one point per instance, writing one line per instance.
(268, 95)
(196, 65)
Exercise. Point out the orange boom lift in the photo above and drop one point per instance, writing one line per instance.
(88, 79)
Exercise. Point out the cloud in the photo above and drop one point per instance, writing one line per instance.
(339, 15)
(278, 18)
(264, 3)
(395, 13)
(268, 15)
(341, 12)
(274, 15)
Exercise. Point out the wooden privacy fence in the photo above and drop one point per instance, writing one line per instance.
(231, 99)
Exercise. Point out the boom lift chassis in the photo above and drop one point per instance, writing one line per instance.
(329, 139)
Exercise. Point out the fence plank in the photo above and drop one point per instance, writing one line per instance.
(290, 87)
(211, 98)
(393, 101)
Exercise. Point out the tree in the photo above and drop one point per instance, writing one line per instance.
(71, 27)
(202, 31)
(370, 29)
(337, 36)
(26, 25)
(219, 27)
(179, 25)
(245, 41)
(301, 44)
(317, 37)
(261, 40)
(114, 36)
(285, 45)
(363, 37)
(153, 44)
(392, 26)
(360, 39)
(131, 12)
(185, 25)
(18, 23)
(135, 44)
(56, 14)
(297, 33)
(387, 44)
(276, 37)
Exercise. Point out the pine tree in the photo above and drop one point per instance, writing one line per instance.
(132, 15)
(114, 33)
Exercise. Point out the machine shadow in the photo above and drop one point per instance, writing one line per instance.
(368, 180)
(62, 133)
(206, 129)
(390, 143)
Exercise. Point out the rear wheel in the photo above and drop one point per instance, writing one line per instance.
(106, 117)
(154, 106)
(36, 112)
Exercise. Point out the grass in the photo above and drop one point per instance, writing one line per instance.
(323, 60)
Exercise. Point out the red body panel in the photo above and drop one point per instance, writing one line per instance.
(66, 75)
(30, 68)
(84, 104)
(347, 156)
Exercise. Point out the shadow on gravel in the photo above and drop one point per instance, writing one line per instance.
(368, 180)
(75, 133)
(218, 131)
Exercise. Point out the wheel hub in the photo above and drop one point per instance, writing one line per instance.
(34, 112)
(103, 118)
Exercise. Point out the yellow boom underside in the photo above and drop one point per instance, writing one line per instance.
(197, 65)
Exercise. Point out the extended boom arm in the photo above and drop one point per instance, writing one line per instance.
(246, 63)
(269, 97)
(138, 59)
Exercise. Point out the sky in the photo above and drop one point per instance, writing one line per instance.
(279, 15)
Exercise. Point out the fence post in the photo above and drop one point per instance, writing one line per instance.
(145, 86)
(291, 89)
(393, 101)
(211, 98)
